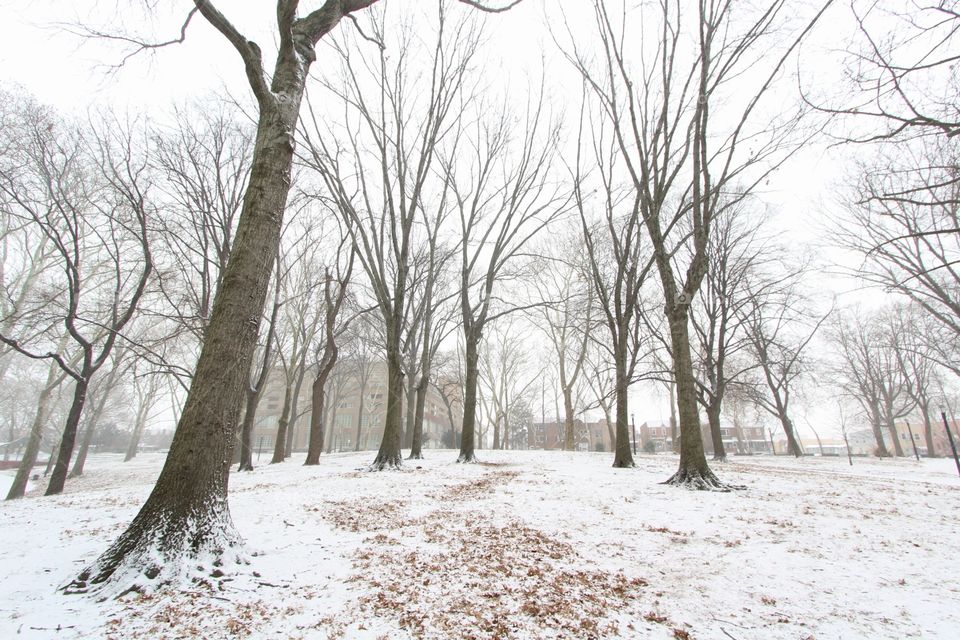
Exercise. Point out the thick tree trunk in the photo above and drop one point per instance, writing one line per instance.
(467, 432)
(29, 459)
(68, 439)
(623, 454)
(716, 435)
(186, 517)
(694, 472)
(389, 455)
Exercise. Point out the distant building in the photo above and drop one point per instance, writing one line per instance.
(736, 440)
(344, 421)
(587, 436)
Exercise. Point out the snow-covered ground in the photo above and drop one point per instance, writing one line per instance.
(526, 545)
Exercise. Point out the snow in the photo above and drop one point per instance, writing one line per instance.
(524, 545)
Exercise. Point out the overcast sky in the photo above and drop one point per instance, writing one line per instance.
(71, 73)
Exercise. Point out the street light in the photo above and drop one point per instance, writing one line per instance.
(633, 426)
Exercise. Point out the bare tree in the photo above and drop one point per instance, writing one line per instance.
(780, 327)
(397, 116)
(505, 194)
(88, 192)
(684, 164)
(568, 319)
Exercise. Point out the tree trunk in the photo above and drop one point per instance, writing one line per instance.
(29, 459)
(623, 454)
(279, 443)
(694, 472)
(360, 409)
(467, 432)
(143, 411)
(68, 439)
(416, 447)
(409, 405)
(928, 431)
(186, 517)
(713, 418)
(496, 431)
(674, 441)
(246, 431)
(882, 451)
(793, 445)
(81, 460)
(892, 428)
(295, 416)
(318, 400)
(389, 455)
(568, 435)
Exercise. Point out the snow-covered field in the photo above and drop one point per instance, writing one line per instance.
(525, 545)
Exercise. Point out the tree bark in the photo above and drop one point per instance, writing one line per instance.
(317, 423)
(389, 456)
(467, 432)
(694, 472)
(928, 431)
(187, 513)
(623, 454)
(68, 439)
(246, 430)
(716, 435)
(279, 444)
(416, 447)
(793, 445)
(360, 409)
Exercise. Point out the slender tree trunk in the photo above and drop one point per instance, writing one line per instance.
(694, 472)
(793, 445)
(409, 405)
(467, 432)
(360, 409)
(496, 431)
(143, 411)
(568, 427)
(295, 415)
(610, 430)
(882, 451)
(623, 454)
(246, 431)
(279, 443)
(928, 430)
(59, 476)
(92, 420)
(317, 422)
(29, 459)
(716, 435)
(892, 428)
(416, 447)
(674, 440)
(389, 456)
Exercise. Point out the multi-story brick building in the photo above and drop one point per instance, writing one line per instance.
(587, 436)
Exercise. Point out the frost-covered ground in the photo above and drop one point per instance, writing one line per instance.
(526, 545)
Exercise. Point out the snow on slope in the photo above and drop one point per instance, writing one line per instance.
(526, 545)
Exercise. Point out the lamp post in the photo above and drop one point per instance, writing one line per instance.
(633, 426)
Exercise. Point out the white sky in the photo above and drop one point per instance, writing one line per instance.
(69, 73)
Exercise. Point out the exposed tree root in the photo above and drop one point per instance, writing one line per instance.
(160, 550)
(717, 458)
(415, 456)
(386, 463)
(700, 480)
(620, 464)
(467, 458)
